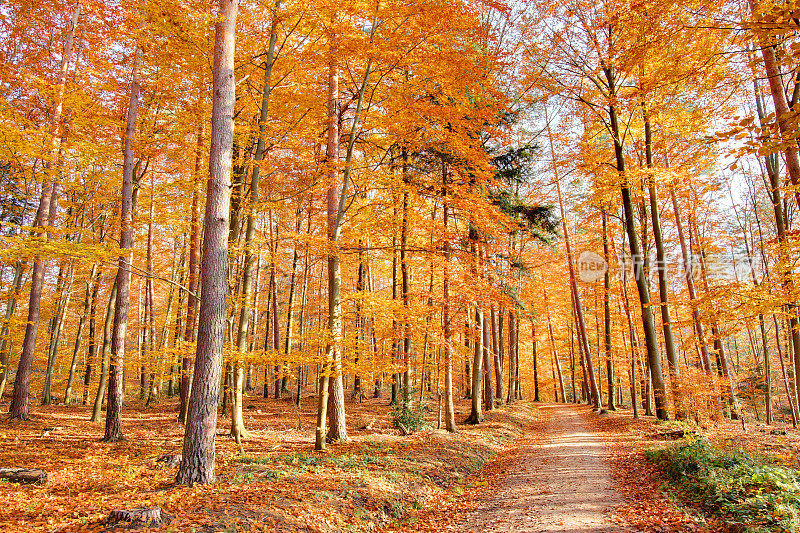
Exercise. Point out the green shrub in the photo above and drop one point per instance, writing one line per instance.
(736, 486)
(410, 417)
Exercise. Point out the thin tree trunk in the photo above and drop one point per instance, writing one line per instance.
(663, 289)
(22, 380)
(108, 329)
(488, 389)
(449, 410)
(91, 292)
(705, 358)
(65, 290)
(476, 413)
(607, 315)
(91, 350)
(651, 341)
(782, 111)
(116, 390)
(555, 351)
(583, 337)
(5, 341)
(238, 431)
(192, 299)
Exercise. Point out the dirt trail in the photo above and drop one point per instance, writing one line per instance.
(562, 482)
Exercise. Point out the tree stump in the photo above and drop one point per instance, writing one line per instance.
(141, 516)
(23, 475)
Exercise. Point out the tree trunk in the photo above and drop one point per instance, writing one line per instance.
(108, 328)
(651, 341)
(663, 290)
(476, 412)
(116, 391)
(331, 399)
(449, 410)
(498, 363)
(91, 294)
(5, 342)
(488, 388)
(583, 337)
(64, 288)
(91, 350)
(607, 315)
(197, 464)
(22, 381)
(782, 112)
(192, 297)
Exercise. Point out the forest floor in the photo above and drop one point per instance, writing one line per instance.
(528, 467)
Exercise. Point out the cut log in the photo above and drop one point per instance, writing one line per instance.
(141, 516)
(23, 475)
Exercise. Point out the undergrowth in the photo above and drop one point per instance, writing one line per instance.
(746, 491)
(410, 417)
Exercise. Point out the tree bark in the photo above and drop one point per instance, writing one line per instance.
(192, 297)
(91, 294)
(583, 337)
(449, 410)
(651, 340)
(5, 342)
(331, 368)
(108, 328)
(197, 464)
(607, 316)
(476, 412)
(782, 112)
(116, 387)
(663, 289)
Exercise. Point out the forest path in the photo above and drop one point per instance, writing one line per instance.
(560, 481)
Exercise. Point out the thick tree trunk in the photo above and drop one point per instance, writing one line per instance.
(197, 464)
(331, 399)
